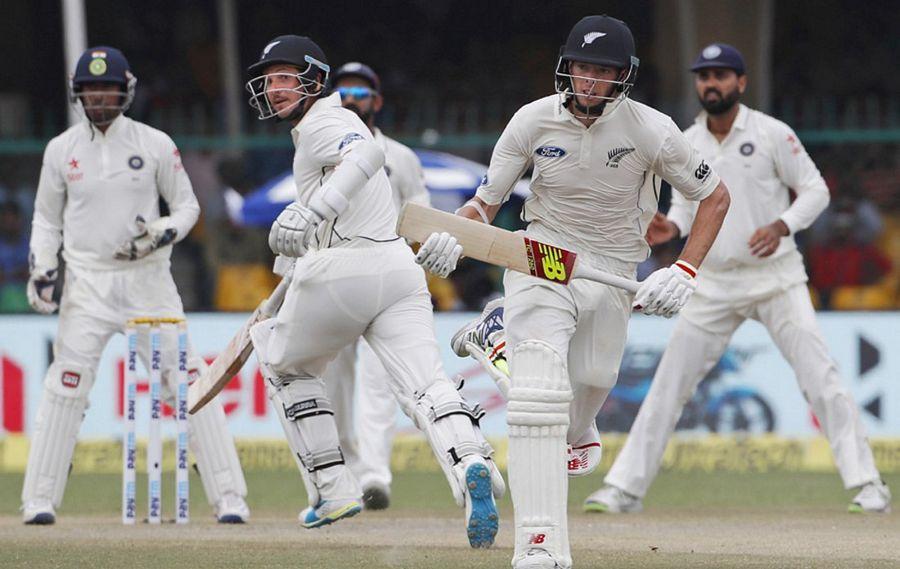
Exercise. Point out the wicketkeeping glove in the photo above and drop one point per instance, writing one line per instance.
(41, 286)
(666, 291)
(151, 236)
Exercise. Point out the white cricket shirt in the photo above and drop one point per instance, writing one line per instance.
(404, 171)
(759, 160)
(93, 186)
(592, 187)
(322, 137)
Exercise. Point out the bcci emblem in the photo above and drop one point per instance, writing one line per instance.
(136, 162)
(97, 66)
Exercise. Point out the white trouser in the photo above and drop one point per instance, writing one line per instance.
(583, 327)
(338, 295)
(95, 305)
(365, 419)
(698, 341)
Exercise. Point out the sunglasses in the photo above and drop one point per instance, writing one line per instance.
(357, 93)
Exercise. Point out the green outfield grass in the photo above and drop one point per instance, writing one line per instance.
(692, 520)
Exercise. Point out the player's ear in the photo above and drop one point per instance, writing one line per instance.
(742, 84)
(377, 103)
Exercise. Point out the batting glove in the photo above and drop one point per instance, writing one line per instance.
(151, 236)
(666, 291)
(293, 230)
(439, 254)
(41, 286)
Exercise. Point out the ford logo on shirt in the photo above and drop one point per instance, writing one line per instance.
(550, 151)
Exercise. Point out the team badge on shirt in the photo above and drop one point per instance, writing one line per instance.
(615, 156)
(747, 148)
(348, 139)
(136, 162)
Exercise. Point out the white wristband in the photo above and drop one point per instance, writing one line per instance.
(477, 207)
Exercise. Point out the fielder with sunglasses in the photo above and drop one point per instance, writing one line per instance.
(367, 431)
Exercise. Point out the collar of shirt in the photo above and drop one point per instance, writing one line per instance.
(332, 100)
(112, 131)
(740, 121)
(563, 114)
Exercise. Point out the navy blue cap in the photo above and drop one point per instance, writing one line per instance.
(101, 64)
(357, 69)
(720, 55)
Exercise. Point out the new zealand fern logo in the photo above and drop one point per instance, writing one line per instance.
(615, 156)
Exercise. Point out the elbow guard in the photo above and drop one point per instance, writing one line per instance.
(354, 171)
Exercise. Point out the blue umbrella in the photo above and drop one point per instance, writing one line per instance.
(451, 180)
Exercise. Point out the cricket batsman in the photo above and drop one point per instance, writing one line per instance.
(595, 153)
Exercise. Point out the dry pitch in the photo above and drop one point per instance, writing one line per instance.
(692, 520)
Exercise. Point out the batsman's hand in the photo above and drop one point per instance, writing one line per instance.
(293, 230)
(151, 236)
(41, 285)
(666, 291)
(439, 254)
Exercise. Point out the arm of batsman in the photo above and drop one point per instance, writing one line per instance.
(666, 291)
(151, 236)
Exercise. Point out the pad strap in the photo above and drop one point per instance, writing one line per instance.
(308, 408)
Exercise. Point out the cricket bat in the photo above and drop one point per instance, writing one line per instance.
(497, 246)
(235, 355)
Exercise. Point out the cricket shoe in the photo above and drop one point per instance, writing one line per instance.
(482, 519)
(873, 497)
(584, 454)
(536, 558)
(611, 500)
(486, 332)
(232, 509)
(329, 511)
(38, 513)
(376, 496)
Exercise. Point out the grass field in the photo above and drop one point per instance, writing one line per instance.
(691, 520)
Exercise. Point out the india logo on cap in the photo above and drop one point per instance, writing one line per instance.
(712, 52)
(97, 66)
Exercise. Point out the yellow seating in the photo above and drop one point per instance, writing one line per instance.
(875, 297)
(241, 287)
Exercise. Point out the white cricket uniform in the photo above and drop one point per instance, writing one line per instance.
(92, 187)
(593, 192)
(366, 435)
(359, 279)
(759, 160)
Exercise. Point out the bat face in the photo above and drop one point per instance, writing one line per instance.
(549, 262)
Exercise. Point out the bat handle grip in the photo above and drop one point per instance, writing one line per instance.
(596, 275)
(273, 303)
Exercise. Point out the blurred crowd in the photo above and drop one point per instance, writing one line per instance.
(852, 251)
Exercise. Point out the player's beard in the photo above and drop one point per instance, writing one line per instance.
(724, 103)
(364, 117)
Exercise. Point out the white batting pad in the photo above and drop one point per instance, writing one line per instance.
(451, 426)
(59, 416)
(538, 418)
(308, 421)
